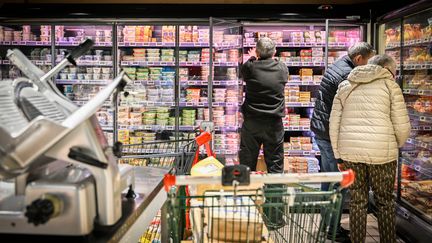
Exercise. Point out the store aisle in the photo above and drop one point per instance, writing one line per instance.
(372, 228)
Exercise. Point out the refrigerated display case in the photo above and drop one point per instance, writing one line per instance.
(408, 39)
(93, 71)
(33, 40)
(226, 88)
(147, 107)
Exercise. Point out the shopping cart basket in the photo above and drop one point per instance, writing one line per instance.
(178, 154)
(258, 208)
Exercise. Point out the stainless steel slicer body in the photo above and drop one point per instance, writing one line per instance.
(58, 175)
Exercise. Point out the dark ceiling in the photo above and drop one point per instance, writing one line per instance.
(265, 12)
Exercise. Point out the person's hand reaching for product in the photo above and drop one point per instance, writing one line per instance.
(252, 52)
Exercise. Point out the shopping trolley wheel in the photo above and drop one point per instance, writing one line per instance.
(238, 173)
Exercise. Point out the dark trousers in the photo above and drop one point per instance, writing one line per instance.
(267, 132)
(329, 164)
(381, 178)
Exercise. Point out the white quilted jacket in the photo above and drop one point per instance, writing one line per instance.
(369, 119)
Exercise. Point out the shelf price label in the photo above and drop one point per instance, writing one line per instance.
(15, 43)
(150, 103)
(421, 92)
(189, 104)
(306, 153)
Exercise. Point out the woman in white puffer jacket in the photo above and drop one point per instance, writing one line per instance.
(368, 123)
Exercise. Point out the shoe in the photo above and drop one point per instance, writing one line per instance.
(342, 235)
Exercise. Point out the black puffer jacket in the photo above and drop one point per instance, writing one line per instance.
(333, 76)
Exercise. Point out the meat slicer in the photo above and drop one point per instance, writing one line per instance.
(58, 176)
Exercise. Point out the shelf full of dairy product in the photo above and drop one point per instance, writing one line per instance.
(146, 109)
(94, 70)
(227, 95)
(33, 40)
(416, 73)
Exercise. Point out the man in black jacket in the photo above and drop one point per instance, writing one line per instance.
(358, 55)
(263, 107)
(263, 110)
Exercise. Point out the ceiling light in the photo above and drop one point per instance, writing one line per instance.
(289, 14)
(79, 14)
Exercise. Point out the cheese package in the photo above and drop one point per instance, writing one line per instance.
(232, 219)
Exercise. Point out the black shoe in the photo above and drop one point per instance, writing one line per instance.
(341, 236)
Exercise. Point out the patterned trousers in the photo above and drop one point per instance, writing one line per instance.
(381, 178)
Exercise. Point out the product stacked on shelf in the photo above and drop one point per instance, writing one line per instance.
(302, 48)
(416, 73)
(33, 40)
(147, 55)
(227, 46)
(93, 72)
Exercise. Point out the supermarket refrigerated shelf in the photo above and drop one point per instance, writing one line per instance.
(147, 104)
(79, 81)
(83, 102)
(418, 92)
(25, 43)
(300, 104)
(36, 62)
(297, 128)
(299, 152)
(146, 44)
(417, 66)
(153, 82)
(216, 64)
(409, 43)
(410, 162)
(303, 44)
(215, 82)
(304, 83)
(305, 64)
(144, 63)
(93, 63)
(225, 152)
(171, 128)
(76, 43)
(419, 143)
(107, 127)
(421, 128)
(423, 117)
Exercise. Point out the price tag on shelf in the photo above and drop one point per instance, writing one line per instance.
(150, 82)
(423, 66)
(39, 62)
(306, 153)
(188, 104)
(296, 64)
(230, 104)
(6, 42)
(15, 43)
(159, 44)
(150, 103)
(421, 92)
(135, 63)
(216, 82)
(151, 63)
(295, 128)
(427, 128)
(170, 127)
(163, 63)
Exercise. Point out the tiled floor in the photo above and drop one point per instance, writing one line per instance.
(372, 228)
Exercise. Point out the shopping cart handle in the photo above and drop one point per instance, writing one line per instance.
(348, 177)
(169, 181)
(203, 138)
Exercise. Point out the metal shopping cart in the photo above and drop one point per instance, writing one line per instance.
(255, 208)
(177, 154)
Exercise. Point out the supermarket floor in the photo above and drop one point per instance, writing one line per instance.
(372, 228)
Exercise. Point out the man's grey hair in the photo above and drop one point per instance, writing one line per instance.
(265, 48)
(361, 48)
(382, 60)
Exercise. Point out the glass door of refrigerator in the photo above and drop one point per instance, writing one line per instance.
(146, 111)
(389, 42)
(226, 89)
(94, 70)
(301, 47)
(33, 40)
(194, 69)
(416, 70)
